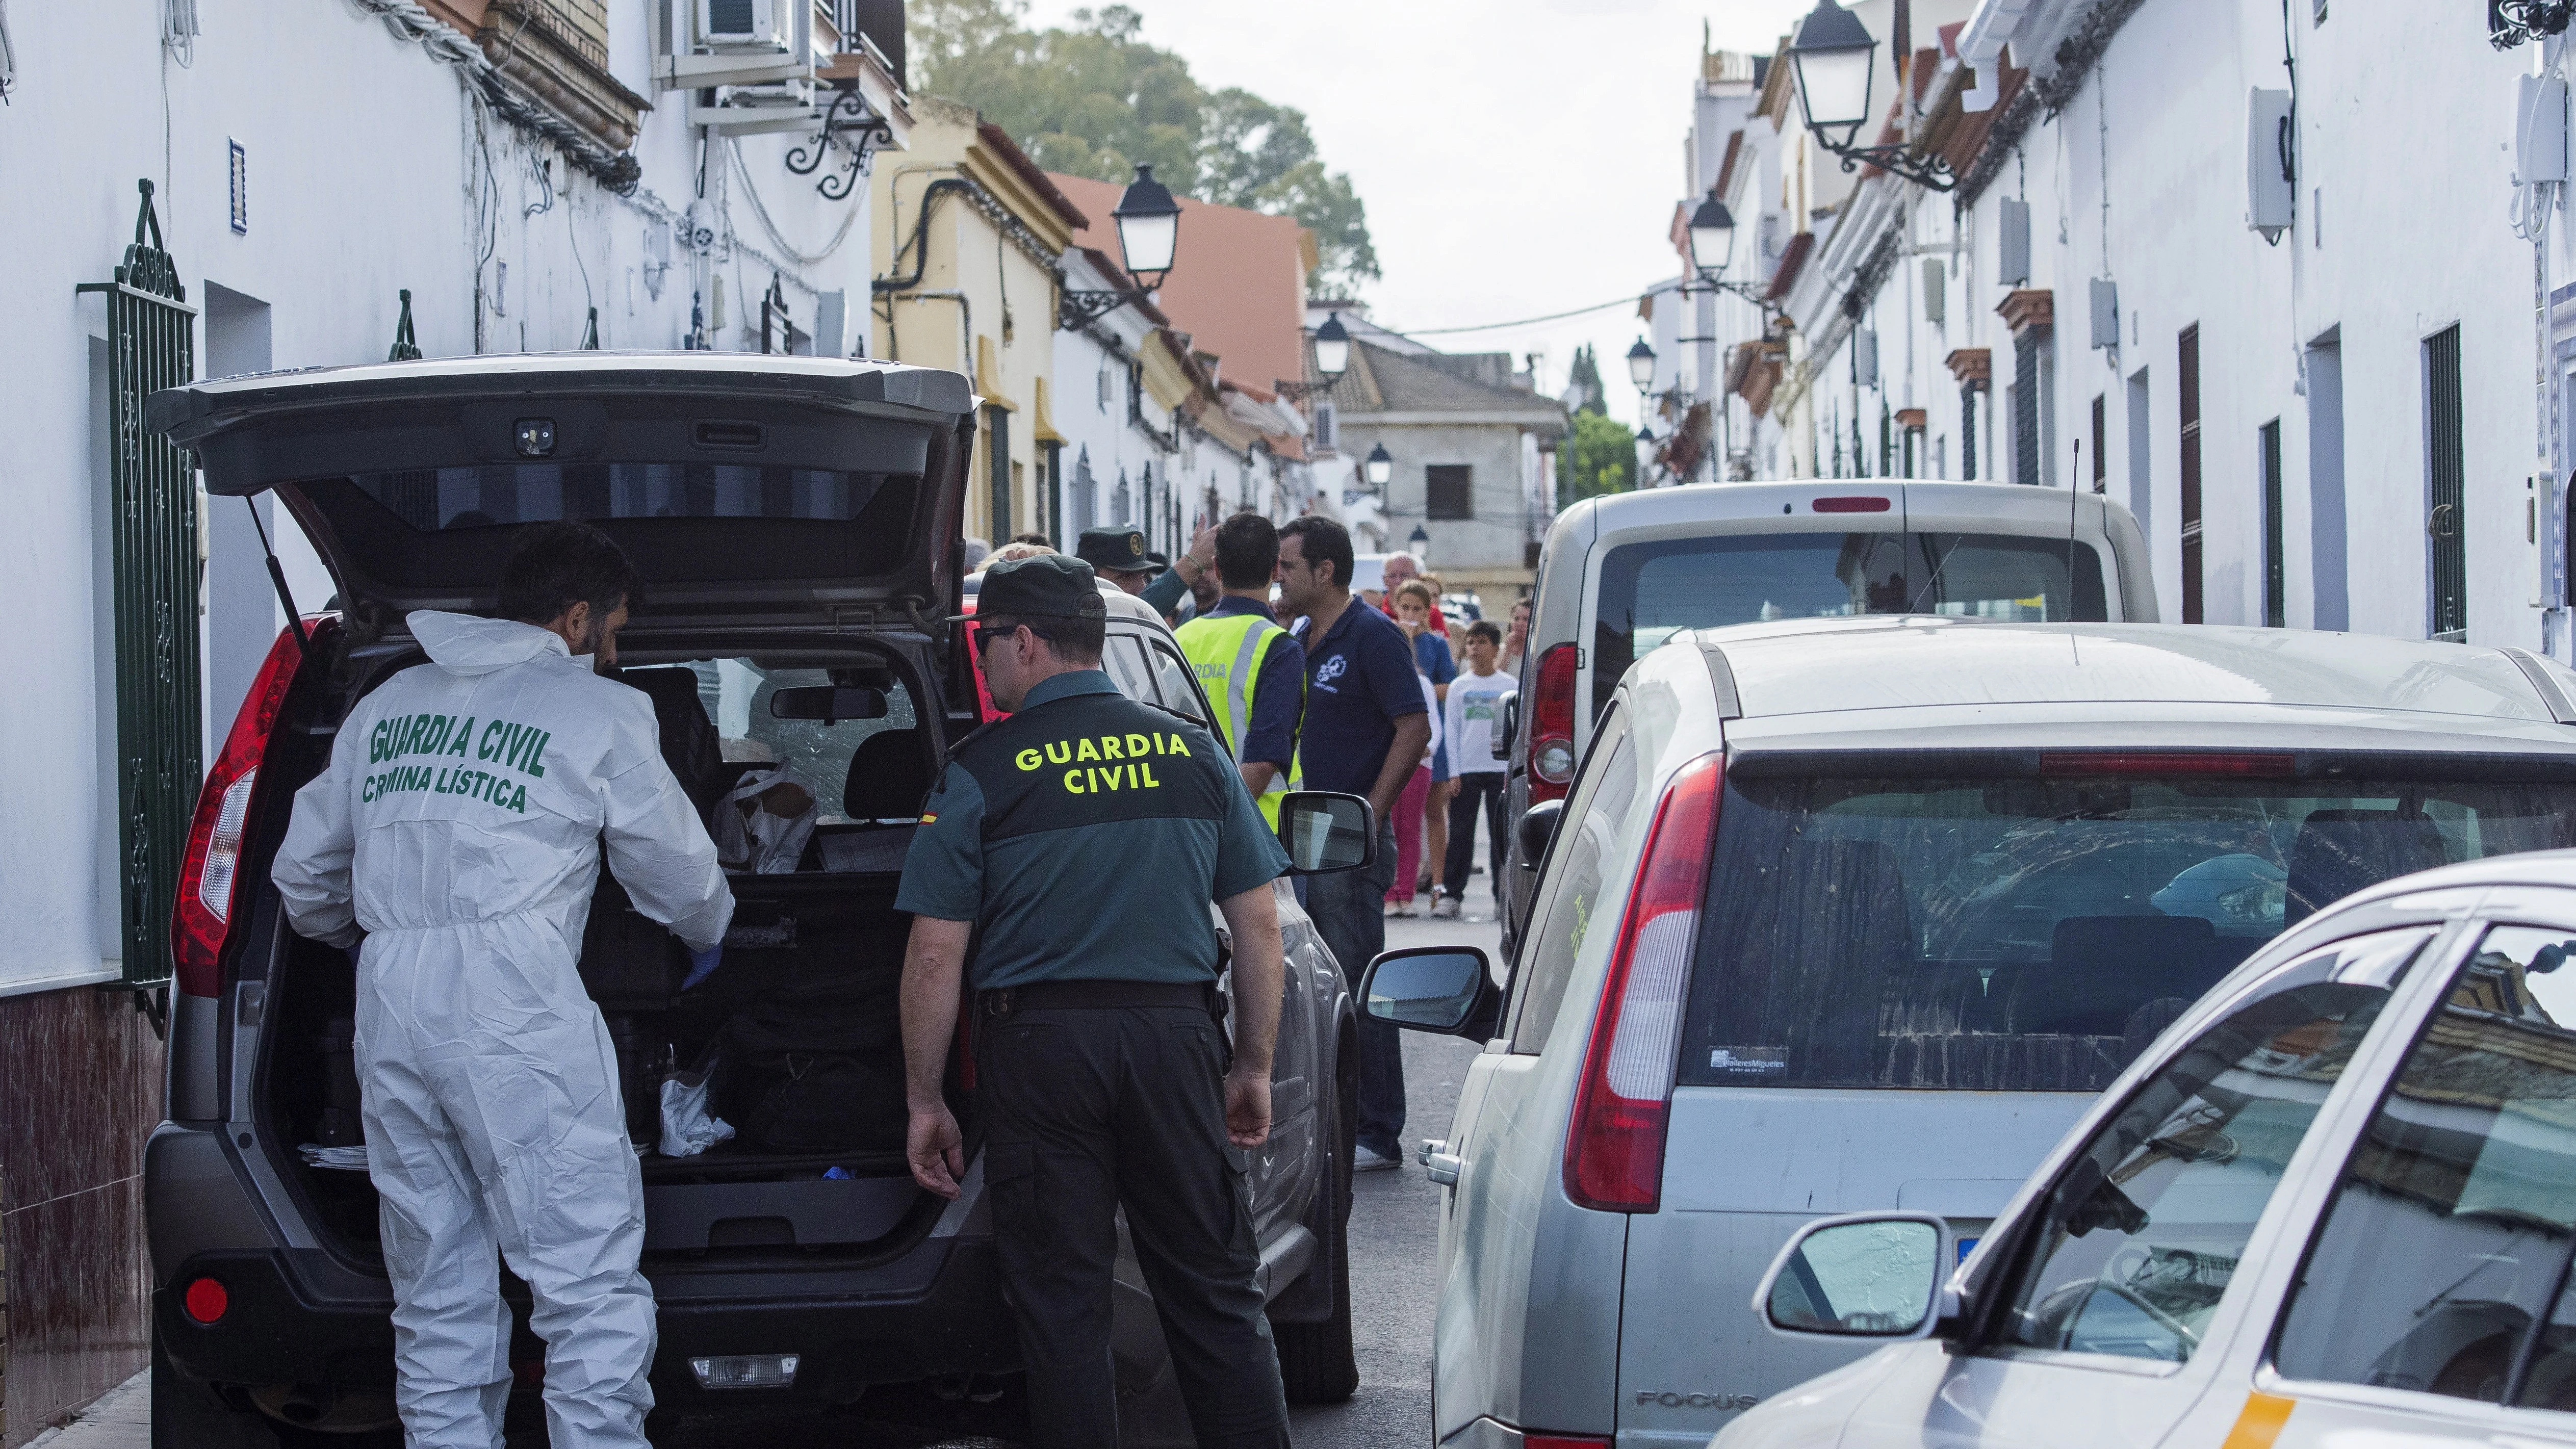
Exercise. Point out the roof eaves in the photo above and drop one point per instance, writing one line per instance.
(1029, 172)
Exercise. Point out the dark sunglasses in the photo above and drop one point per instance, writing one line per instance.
(985, 634)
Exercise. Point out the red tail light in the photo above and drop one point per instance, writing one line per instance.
(209, 874)
(1614, 1151)
(1551, 756)
(205, 1300)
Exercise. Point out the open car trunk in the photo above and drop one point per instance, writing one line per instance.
(801, 1031)
(795, 520)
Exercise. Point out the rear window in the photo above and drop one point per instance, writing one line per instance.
(498, 494)
(447, 528)
(2032, 934)
(1651, 591)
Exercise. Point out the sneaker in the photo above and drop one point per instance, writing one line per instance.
(1364, 1159)
(1399, 908)
(1445, 908)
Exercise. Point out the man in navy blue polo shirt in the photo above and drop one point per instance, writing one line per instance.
(1365, 731)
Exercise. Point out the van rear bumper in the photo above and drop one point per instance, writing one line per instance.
(936, 1310)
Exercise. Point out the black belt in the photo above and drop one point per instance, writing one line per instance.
(1101, 995)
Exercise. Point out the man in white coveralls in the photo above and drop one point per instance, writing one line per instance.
(457, 833)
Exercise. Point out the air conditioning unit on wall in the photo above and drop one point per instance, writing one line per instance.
(743, 24)
(699, 44)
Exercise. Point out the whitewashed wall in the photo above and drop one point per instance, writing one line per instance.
(2406, 174)
(365, 177)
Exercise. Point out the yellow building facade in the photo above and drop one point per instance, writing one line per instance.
(974, 234)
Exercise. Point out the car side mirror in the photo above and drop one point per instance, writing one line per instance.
(1510, 733)
(1879, 1276)
(830, 703)
(1537, 825)
(1326, 831)
(1443, 989)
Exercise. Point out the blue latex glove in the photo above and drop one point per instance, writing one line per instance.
(702, 964)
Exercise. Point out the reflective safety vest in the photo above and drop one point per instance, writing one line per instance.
(1227, 651)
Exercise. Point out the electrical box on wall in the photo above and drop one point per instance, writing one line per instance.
(1865, 356)
(2540, 152)
(2271, 190)
(1935, 290)
(2106, 313)
(2012, 243)
(2544, 523)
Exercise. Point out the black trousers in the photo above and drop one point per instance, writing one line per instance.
(1479, 787)
(1090, 1109)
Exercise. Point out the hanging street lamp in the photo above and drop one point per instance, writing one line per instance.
(1836, 58)
(1380, 466)
(1149, 230)
(1712, 236)
(1332, 348)
(1419, 544)
(1149, 227)
(1332, 359)
(1641, 366)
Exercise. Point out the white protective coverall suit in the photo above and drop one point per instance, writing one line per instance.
(458, 826)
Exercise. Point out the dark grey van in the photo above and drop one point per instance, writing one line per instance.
(797, 521)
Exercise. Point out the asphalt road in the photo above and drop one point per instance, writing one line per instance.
(1395, 1230)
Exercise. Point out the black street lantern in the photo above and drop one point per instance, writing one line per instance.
(1641, 365)
(1380, 466)
(1149, 226)
(1332, 348)
(1149, 230)
(1712, 234)
(1836, 59)
(1834, 54)
(1420, 545)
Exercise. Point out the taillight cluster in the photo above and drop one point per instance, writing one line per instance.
(1614, 1149)
(210, 873)
(1551, 756)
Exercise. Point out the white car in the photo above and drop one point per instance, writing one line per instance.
(1621, 574)
(1863, 915)
(2334, 1204)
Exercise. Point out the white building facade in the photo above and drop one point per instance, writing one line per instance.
(2287, 286)
(531, 174)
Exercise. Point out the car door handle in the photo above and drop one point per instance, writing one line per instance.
(1439, 1163)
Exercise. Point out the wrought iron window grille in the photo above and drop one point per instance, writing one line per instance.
(153, 513)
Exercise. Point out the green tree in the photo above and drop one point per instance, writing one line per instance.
(1598, 456)
(1095, 99)
(1586, 374)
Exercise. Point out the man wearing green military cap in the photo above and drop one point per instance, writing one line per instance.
(1085, 835)
(1122, 557)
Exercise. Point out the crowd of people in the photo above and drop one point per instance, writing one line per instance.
(1319, 685)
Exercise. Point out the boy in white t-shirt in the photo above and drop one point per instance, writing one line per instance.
(1475, 710)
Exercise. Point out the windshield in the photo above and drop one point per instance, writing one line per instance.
(2033, 934)
(1652, 591)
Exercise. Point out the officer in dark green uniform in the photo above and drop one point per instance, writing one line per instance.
(1086, 834)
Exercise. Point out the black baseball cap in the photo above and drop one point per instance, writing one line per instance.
(1041, 586)
(1119, 549)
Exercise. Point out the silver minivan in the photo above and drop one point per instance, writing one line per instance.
(1861, 914)
(1621, 574)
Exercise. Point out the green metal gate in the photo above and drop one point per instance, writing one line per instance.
(153, 512)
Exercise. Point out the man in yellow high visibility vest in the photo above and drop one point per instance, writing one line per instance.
(1253, 672)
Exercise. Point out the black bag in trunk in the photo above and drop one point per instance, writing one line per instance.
(816, 1071)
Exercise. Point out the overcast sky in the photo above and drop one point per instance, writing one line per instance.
(1517, 157)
